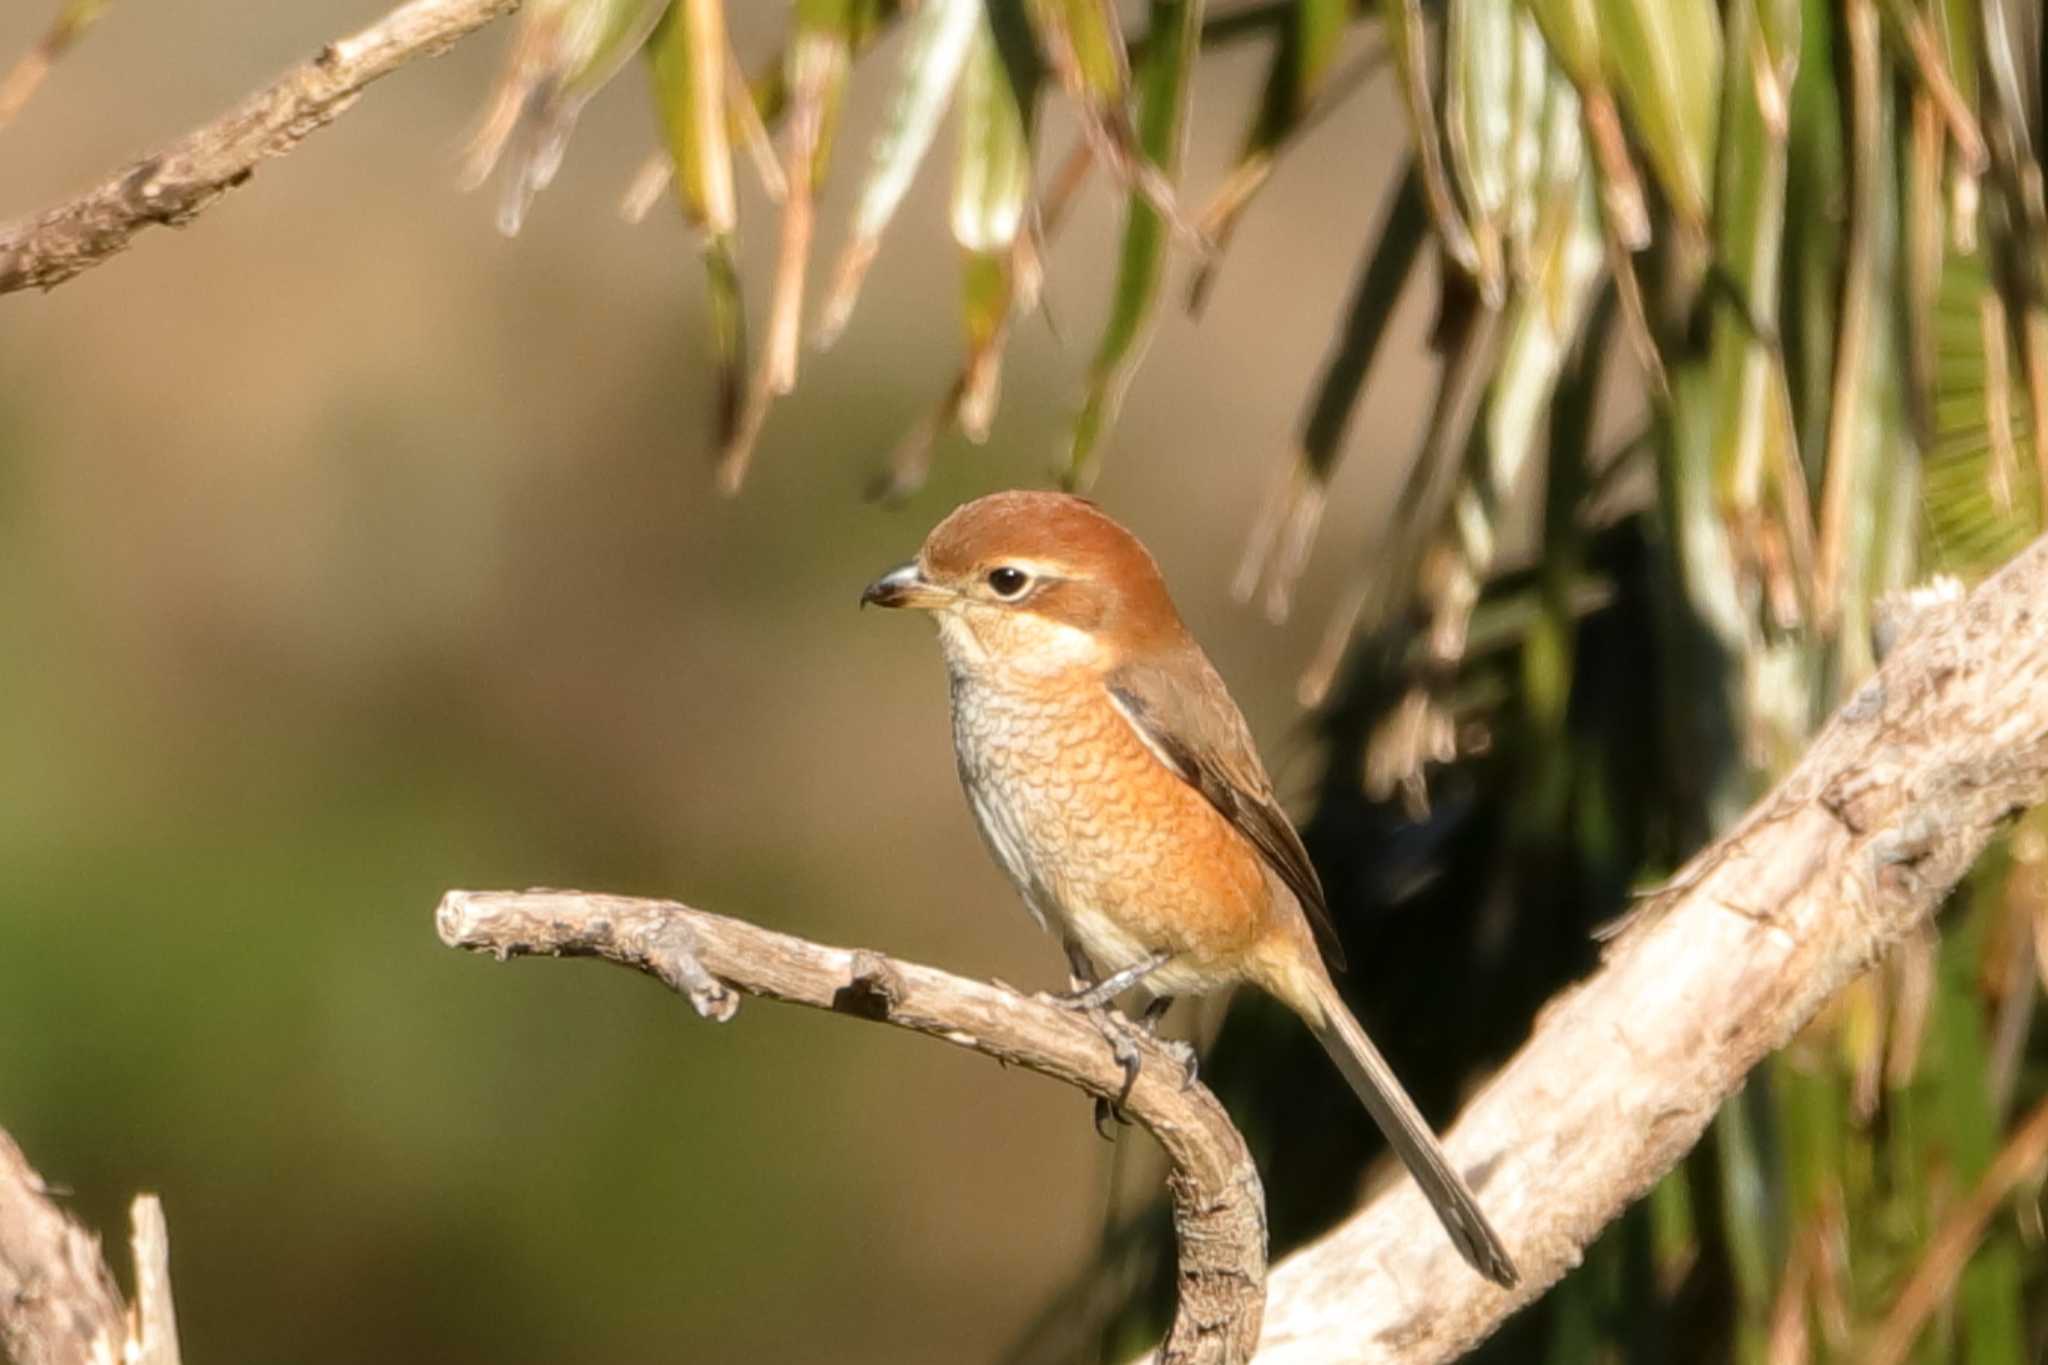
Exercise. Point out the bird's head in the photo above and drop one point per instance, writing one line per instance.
(1041, 582)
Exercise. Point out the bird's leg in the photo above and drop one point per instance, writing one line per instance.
(1102, 992)
(1092, 997)
(1082, 981)
(1183, 1051)
(1080, 971)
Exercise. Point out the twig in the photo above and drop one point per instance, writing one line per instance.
(58, 1303)
(1218, 1205)
(178, 183)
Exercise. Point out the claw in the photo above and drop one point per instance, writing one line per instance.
(1104, 1112)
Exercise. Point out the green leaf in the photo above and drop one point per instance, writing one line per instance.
(1665, 56)
(689, 63)
(991, 198)
(1407, 39)
(1482, 117)
(1164, 83)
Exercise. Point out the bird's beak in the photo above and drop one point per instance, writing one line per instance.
(904, 586)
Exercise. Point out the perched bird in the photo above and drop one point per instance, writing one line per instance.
(1116, 782)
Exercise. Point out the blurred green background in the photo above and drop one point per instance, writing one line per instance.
(350, 552)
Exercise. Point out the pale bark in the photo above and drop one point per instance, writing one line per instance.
(58, 1301)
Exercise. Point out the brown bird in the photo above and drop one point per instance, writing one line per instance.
(1116, 782)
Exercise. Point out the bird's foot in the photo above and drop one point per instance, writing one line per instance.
(1116, 1030)
(1121, 1035)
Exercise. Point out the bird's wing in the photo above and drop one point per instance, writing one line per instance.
(1184, 715)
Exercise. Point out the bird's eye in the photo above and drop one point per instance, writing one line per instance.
(1007, 581)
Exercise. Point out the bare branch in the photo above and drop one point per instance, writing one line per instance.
(58, 1303)
(1851, 852)
(1218, 1205)
(178, 183)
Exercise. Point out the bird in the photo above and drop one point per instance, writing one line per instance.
(1117, 784)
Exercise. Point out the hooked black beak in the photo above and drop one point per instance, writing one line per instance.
(902, 586)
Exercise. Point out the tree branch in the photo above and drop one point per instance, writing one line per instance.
(180, 182)
(1218, 1205)
(58, 1303)
(1855, 848)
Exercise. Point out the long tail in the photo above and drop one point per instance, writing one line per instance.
(1410, 1135)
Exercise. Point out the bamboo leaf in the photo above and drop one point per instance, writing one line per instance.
(820, 54)
(991, 198)
(1665, 56)
(1407, 38)
(936, 43)
(688, 52)
(1084, 45)
(999, 266)
(1566, 256)
(1481, 117)
(1753, 438)
(1164, 86)
(1571, 29)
